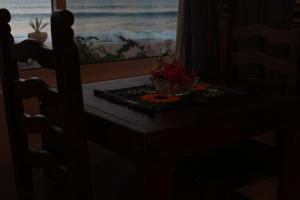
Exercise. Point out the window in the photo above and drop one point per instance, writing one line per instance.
(105, 30)
(109, 30)
(23, 13)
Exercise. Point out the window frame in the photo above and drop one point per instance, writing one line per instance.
(99, 71)
(94, 72)
(59, 4)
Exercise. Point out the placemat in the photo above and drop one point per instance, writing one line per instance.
(146, 99)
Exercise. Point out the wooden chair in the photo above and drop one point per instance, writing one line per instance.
(217, 173)
(63, 59)
(234, 55)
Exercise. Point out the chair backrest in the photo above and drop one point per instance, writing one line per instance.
(63, 59)
(233, 57)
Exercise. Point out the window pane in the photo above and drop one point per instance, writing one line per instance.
(109, 30)
(25, 11)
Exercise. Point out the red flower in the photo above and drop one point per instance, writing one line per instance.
(200, 87)
(174, 72)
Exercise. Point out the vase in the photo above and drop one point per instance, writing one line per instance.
(163, 86)
(41, 37)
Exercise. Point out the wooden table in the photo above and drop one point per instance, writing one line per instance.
(155, 141)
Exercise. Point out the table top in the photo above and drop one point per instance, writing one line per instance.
(133, 119)
(202, 112)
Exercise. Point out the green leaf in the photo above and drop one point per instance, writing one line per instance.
(37, 24)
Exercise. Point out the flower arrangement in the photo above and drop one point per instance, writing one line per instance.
(170, 77)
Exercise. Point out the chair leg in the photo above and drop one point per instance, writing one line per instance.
(289, 175)
(23, 177)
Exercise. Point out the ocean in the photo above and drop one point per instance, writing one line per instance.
(142, 20)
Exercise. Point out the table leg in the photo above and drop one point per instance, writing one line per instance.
(154, 180)
(289, 177)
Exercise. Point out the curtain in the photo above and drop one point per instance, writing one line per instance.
(197, 35)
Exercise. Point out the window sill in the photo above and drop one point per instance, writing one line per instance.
(97, 72)
(100, 71)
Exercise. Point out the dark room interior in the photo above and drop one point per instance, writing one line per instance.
(149, 99)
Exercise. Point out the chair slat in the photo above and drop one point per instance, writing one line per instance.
(40, 124)
(33, 49)
(259, 58)
(259, 30)
(35, 87)
(41, 159)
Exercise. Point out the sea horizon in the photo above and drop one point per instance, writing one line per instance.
(104, 19)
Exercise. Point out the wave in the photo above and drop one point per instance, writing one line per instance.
(31, 15)
(106, 14)
(127, 14)
(116, 6)
(114, 36)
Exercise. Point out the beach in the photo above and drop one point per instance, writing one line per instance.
(150, 23)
